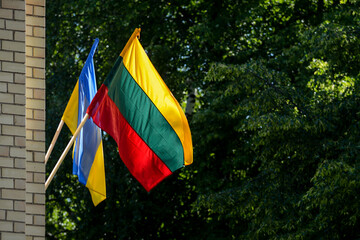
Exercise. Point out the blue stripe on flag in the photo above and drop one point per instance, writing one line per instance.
(89, 138)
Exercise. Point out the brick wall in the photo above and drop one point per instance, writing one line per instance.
(22, 119)
(12, 120)
(35, 118)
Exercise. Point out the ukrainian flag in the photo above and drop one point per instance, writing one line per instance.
(88, 157)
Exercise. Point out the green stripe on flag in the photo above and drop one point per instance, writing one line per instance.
(144, 117)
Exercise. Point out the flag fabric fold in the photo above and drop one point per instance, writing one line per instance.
(137, 109)
(88, 157)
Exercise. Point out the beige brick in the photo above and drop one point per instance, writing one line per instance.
(6, 162)
(6, 226)
(29, 134)
(35, 230)
(35, 41)
(13, 109)
(35, 104)
(19, 15)
(39, 177)
(35, 209)
(36, 2)
(29, 72)
(6, 77)
(35, 124)
(17, 152)
(20, 163)
(19, 226)
(38, 238)
(12, 236)
(6, 13)
(39, 11)
(6, 56)
(13, 4)
(19, 78)
(19, 120)
(35, 188)
(14, 131)
(6, 204)
(35, 21)
(16, 88)
(29, 112)
(39, 31)
(29, 9)
(39, 136)
(29, 221)
(6, 34)
(29, 177)
(19, 206)
(35, 83)
(20, 183)
(13, 194)
(3, 87)
(29, 30)
(39, 93)
(20, 99)
(36, 146)
(39, 220)
(7, 140)
(20, 36)
(39, 156)
(20, 142)
(29, 156)
(15, 25)
(39, 52)
(39, 114)
(2, 214)
(6, 183)
(6, 120)
(13, 46)
(13, 173)
(29, 94)
(28, 197)
(16, 216)
(6, 98)
(38, 167)
(13, 67)
(20, 57)
(2, 22)
(4, 151)
(39, 73)
(35, 62)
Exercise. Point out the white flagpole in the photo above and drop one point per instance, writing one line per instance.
(51, 176)
(51, 147)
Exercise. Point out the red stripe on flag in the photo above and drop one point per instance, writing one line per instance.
(141, 161)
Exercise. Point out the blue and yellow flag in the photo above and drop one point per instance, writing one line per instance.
(88, 157)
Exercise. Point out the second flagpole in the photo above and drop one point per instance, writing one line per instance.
(63, 155)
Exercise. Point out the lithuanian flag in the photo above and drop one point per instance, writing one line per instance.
(137, 109)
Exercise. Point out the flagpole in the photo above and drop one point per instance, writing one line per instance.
(63, 155)
(51, 147)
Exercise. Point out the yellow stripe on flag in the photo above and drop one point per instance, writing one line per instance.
(96, 178)
(70, 116)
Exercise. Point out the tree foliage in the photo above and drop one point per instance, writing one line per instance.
(275, 129)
